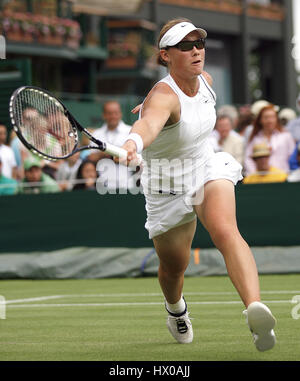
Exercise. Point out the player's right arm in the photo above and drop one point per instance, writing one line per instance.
(161, 105)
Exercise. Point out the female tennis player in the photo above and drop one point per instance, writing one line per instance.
(184, 179)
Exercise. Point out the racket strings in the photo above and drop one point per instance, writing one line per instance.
(43, 123)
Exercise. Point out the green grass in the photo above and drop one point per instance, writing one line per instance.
(133, 332)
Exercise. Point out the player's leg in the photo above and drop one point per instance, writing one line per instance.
(217, 213)
(173, 249)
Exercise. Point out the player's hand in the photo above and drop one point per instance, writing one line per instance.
(136, 109)
(130, 147)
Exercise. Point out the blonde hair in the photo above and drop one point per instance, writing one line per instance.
(163, 31)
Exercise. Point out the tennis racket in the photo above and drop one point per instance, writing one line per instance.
(47, 128)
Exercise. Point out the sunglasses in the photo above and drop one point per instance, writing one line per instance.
(185, 46)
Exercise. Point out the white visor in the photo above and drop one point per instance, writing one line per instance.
(178, 32)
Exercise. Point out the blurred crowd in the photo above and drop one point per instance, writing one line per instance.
(23, 172)
(263, 138)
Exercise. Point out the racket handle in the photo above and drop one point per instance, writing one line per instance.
(121, 153)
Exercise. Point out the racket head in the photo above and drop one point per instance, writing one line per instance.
(43, 123)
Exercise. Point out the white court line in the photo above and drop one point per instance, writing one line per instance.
(41, 298)
(132, 304)
(37, 299)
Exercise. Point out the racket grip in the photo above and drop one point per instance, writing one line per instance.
(121, 153)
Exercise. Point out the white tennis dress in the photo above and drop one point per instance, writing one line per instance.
(181, 160)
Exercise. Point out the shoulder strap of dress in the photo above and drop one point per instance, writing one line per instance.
(171, 83)
(168, 80)
(208, 87)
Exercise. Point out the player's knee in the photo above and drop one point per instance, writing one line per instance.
(172, 271)
(223, 234)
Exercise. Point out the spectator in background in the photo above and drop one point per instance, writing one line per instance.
(35, 181)
(286, 115)
(224, 139)
(50, 168)
(67, 172)
(15, 145)
(255, 108)
(244, 109)
(267, 129)
(115, 132)
(8, 186)
(9, 164)
(293, 160)
(264, 173)
(295, 174)
(294, 125)
(230, 111)
(86, 176)
(245, 120)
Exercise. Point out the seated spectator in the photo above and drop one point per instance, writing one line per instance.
(294, 125)
(293, 160)
(20, 152)
(267, 129)
(50, 168)
(294, 175)
(244, 110)
(255, 109)
(286, 115)
(35, 181)
(9, 164)
(230, 111)
(244, 121)
(257, 106)
(115, 132)
(265, 173)
(7, 186)
(15, 145)
(224, 139)
(86, 176)
(67, 172)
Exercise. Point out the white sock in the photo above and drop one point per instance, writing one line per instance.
(176, 308)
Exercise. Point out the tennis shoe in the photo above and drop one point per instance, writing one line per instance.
(180, 327)
(261, 323)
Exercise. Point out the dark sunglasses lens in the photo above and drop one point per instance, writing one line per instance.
(189, 45)
(186, 45)
(201, 44)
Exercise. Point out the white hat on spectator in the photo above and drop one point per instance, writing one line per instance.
(258, 105)
(287, 113)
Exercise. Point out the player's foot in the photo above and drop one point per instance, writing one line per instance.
(261, 323)
(180, 327)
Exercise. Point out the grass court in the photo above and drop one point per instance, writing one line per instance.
(125, 320)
